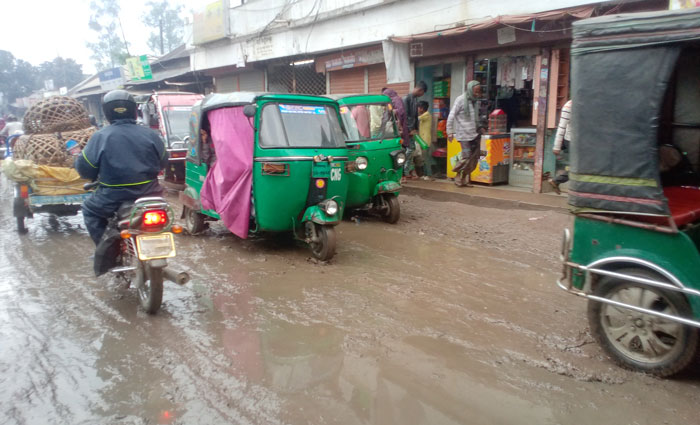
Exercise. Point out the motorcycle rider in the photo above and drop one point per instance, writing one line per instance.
(13, 127)
(125, 157)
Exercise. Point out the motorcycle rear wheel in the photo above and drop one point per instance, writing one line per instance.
(149, 284)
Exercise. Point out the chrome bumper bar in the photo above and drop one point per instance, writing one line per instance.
(564, 283)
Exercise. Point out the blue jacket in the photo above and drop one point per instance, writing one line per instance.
(123, 154)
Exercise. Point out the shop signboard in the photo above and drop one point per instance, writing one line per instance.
(111, 79)
(212, 23)
(139, 68)
(352, 59)
(683, 4)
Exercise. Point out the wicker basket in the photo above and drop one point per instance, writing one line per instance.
(57, 113)
(50, 149)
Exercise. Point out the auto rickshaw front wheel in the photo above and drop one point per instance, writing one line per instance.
(324, 248)
(392, 209)
(639, 341)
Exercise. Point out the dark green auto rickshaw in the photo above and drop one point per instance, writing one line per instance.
(375, 155)
(267, 163)
(635, 154)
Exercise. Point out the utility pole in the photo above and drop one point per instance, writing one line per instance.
(160, 25)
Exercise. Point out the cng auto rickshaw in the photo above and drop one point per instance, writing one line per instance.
(635, 152)
(168, 113)
(375, 155)
(279, 166)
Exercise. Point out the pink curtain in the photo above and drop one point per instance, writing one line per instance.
(227, 187)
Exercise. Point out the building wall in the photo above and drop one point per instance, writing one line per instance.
(266, 29)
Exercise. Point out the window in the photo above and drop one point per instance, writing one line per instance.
(368, 122)
(300, 126)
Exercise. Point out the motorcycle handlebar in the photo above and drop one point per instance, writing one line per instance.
(91, 185)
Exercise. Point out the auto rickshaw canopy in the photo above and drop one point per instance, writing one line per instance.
(622, 67)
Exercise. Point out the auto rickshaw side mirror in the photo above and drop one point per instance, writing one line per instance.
(249, 110)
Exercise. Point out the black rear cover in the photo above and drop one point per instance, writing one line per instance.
(621, 69)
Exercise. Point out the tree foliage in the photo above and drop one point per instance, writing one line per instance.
(110, 48)
(18, 78)
(166, 24)
(63, 72)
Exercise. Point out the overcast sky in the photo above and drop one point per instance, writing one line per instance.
(40, 30)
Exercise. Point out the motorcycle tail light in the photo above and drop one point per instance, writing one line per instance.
(155, 218)
(24, 191)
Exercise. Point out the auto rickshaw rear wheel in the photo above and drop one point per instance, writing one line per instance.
(324, 249)
(393, 209)
(639, 341)
(194, 221)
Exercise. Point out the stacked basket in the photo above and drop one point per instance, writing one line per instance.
(48, 125)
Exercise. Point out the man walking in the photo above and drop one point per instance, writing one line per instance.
(410, 102)
(561, 141)
(463, 124)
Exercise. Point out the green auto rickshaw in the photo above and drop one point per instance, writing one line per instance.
(635, 154)
(375, 155)
(265, 162)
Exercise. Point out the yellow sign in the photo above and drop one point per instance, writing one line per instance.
(212, 23)
(683, 4)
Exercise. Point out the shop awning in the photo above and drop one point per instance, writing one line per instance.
(580, 12)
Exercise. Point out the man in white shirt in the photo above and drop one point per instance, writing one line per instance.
(563, 134)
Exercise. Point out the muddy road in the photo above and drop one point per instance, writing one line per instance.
(449, 317)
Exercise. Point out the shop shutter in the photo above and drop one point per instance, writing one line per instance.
(350, 80)
(377, 80)
(225, 84)
(285, 78)
(251, 81)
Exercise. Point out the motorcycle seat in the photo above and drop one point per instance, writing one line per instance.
(124, 210)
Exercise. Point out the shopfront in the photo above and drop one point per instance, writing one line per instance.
(524, 76)
(360, 70)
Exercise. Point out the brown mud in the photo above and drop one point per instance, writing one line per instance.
(451, 316)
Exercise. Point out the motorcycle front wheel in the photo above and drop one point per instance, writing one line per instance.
(149, 284)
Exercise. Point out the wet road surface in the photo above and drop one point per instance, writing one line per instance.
(449, 317)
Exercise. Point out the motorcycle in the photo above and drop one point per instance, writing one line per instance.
(136, 246)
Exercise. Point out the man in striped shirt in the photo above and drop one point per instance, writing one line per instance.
(563, 135)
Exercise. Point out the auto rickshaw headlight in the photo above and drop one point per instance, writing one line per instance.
(400, 158)
(361, 162)
(330, 207)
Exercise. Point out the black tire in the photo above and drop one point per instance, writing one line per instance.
(150, 288)
(21, 228)
(324, 249)
(638, 341)
(194, 221)
(393, 211)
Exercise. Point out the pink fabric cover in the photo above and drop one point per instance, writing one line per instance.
(227, 187)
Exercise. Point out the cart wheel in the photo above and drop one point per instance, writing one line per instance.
(149, 284)
(393, 211)
(194, 221)
(324, 249)
(21, 228)
(639, 341)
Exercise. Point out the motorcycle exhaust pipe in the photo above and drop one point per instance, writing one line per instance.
(180, 278)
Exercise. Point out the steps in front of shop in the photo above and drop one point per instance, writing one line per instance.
(501, 197)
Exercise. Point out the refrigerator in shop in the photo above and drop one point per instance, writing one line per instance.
(522, 169)
(493, 163)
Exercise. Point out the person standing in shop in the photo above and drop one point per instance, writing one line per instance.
(561, 141)
(410, 103)
(425, 130)
(463, 124)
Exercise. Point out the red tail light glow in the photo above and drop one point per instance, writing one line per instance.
(154, 218)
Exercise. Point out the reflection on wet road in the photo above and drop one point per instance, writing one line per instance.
(449, 317)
